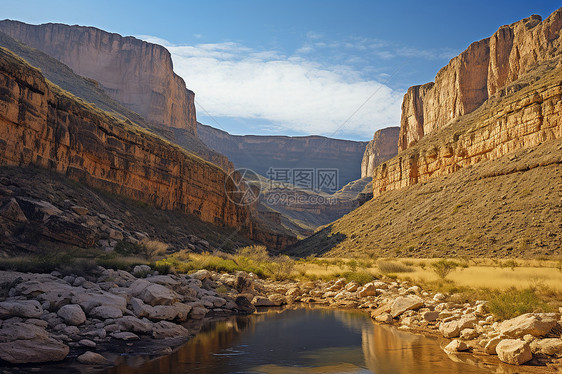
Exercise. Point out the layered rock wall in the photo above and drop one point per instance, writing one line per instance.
(260, 153)
(479, 72)
(137, 74)
(384, 146)
(44, 126)
(523, 119)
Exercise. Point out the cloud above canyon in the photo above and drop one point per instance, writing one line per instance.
(292, 94)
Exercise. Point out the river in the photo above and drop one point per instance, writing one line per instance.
(308, 340)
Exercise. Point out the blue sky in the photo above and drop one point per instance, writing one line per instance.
(335, 68)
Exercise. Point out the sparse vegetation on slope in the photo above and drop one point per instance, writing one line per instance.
(493, 218)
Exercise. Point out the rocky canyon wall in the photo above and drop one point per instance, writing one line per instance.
(522, 115)
(135, 73)
(477, 74)
(384, 146)
(260, 153)
(44, 126)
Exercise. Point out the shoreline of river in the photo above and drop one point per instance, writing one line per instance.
(153, 310)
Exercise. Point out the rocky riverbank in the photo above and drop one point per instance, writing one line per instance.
(56, 317)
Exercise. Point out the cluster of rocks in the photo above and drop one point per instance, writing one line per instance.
(43, 315)
(24, 220)
(470, 326)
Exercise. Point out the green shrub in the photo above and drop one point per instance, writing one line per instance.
(255, 252)
(120, 263)
(280, 267)
(353, 265)
(128, 249)
(153, 248)
(443, 267)
(513, 303)
(161, 268)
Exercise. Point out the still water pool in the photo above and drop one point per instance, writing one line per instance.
(307, 340)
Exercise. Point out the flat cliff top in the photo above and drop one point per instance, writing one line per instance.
(273, 138)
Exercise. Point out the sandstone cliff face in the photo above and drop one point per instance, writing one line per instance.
(259, 153)
(88, 90)
(42, 125)
(478, 73)
(516, 118)
(384, 146)
(135, 73)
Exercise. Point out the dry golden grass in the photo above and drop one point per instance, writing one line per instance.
(497, 278)
(492, 274)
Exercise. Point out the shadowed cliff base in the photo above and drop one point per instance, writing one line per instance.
(506, 207)
(100, 208)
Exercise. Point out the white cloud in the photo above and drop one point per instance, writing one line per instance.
(231, 80)
(379, 48)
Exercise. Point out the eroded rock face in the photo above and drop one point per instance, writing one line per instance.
(522, 120)
(135, 73)
(479, 72)
(383, 147)
(42, 126)
(500, 95)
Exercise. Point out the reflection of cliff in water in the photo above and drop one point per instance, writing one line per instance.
(389, 350)
(353, 320)
(308, 340)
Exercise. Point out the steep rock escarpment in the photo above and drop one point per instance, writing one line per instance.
(89, 90)
(135, 73)
(384, 146)
(477, 74)
(260, 153)
(508, 122)
(42, 125)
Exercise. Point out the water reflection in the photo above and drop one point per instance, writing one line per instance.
(307, 341)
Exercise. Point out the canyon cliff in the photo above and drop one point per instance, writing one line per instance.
(478, 73)
(384, 146)
(478, 171)
(500, 95)
(42, 125)
(260, 153)
(137, 74)
(90, 91)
